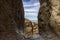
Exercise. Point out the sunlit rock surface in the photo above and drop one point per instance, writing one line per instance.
(49, 19)
(31, 29)
(55, 16)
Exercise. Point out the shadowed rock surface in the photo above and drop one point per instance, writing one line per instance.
(11, 19)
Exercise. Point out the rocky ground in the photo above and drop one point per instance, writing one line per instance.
(46, 36)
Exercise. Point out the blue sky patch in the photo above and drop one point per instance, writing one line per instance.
(31, 8)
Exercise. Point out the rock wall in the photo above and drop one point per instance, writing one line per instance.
(30, 28)
(49, 19)
(11, 19)
(44, 15)
(55, 16)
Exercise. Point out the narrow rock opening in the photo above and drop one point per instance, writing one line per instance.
(31, 9)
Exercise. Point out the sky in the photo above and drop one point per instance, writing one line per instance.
(31, 8)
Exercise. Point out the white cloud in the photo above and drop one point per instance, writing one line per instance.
(31, 9)
(31, 17)
(33, 14)
(35, 4)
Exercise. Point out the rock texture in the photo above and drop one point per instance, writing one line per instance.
(49, 19)
(11, 19)
(30, 28)
(55, 16)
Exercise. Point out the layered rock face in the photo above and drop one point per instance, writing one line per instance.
(11, 19)
(30, 28)
(49, 19)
